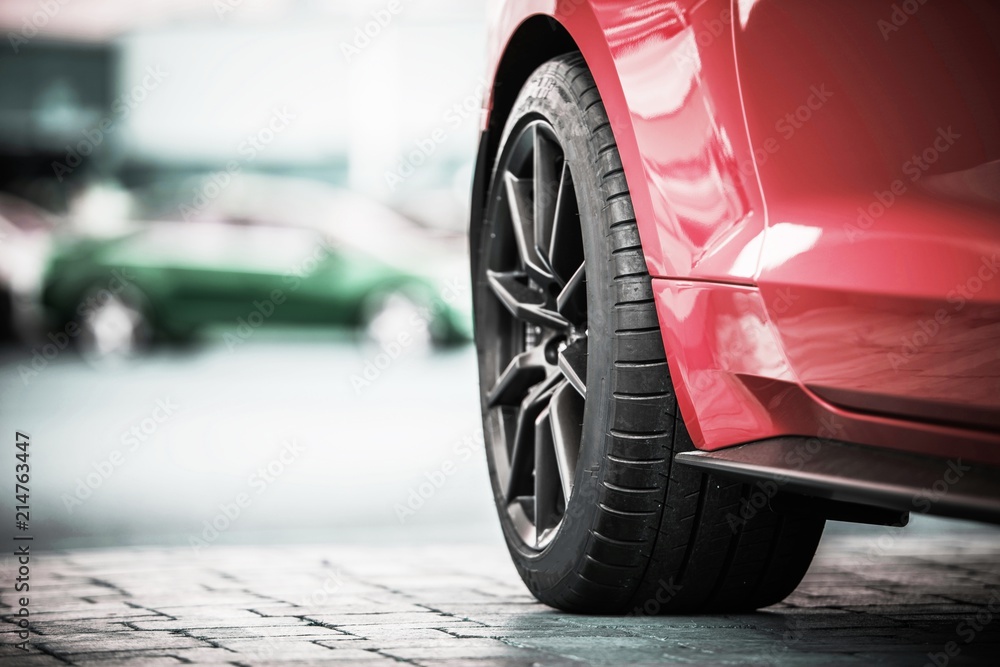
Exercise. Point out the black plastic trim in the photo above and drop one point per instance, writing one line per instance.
(862, 475)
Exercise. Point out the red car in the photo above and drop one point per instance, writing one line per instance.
(736, 273)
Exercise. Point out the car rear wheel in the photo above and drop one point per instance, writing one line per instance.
(580, 418)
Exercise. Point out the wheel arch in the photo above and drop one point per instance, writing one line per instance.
(536, 40)
(526, 39)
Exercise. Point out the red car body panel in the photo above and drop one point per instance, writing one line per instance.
(817, 190)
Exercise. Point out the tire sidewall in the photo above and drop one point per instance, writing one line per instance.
(548, 96)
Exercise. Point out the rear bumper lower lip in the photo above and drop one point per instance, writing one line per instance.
(861, 474)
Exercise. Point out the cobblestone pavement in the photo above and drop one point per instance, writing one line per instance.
(885, 599)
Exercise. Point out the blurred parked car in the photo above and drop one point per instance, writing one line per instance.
(254, 250)
(25, 242)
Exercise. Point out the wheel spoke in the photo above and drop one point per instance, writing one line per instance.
(522, 454)
(522, 216)
(573, 364)
(547, 484)
(523, 371)
(566, 244)
(524, 302)
(527, 504)
(546, 177)
(572, 300)
(566, 417)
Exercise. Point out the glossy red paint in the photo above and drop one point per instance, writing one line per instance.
(817, 189)
(680, 131)
(883, 200)
(732, 375)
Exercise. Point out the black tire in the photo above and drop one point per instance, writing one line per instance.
(639, 534)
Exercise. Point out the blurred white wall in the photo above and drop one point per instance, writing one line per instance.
(390, 92)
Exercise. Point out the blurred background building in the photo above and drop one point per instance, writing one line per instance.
(136, 91)
(253, 210)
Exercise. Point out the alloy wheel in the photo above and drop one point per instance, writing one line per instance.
(536, 274)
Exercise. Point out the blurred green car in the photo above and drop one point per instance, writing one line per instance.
(244, 267)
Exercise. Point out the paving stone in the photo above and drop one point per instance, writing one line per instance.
(462, 650)
(502, 662)
(300, 631)
(12, 656)
(369, 658)
(115, 641)
(374, 637)
(424, 618)
(464, 605)
(275, 649)
(202, 656)
(141, 661)
(188, 621)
